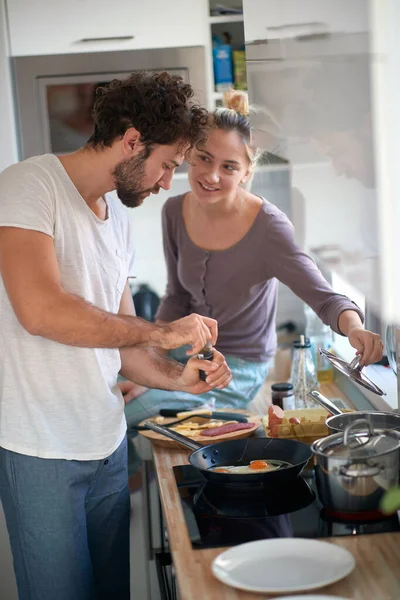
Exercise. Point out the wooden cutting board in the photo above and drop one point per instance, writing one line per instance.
(160, 440)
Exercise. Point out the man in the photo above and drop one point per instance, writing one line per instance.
(68, 328)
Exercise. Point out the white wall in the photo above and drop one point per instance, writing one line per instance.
(8, 136)
(331, 206)
(150, 266)
(339, 224)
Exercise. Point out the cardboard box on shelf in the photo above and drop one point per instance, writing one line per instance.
(239, 69)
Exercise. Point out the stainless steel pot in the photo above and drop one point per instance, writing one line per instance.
(356, 467)
(340, 420)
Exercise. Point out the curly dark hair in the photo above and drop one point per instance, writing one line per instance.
(159, 106)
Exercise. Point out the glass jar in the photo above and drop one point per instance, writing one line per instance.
(303, 374)
(321, 336)
(282, 395)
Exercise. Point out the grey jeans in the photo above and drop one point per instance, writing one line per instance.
(68, 523)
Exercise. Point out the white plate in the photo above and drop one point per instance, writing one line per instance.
(283, 565)
(313, 597)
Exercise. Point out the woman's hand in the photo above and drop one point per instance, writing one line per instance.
(130, 390)
(368, 345)
(217, 371)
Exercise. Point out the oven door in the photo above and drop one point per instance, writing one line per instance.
(55, 93)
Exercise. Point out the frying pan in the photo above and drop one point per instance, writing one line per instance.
(242, 452)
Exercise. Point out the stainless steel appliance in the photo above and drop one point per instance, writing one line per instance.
(312, 92)
(55, 93)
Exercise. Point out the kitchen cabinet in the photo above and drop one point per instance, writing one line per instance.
(277, 19)
(57, 27)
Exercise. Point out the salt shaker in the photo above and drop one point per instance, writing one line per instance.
(303, 373)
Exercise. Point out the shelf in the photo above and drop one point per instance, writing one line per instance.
(226, 19)
(218, 96)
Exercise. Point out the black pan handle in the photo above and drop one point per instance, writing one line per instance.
(173, 435)
(173, 412)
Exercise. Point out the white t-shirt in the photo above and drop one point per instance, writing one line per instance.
(59, 401)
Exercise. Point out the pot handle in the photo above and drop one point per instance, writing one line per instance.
(332, 408)
(368, 471)
(357, 425)
(173, 435)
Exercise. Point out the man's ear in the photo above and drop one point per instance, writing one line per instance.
(131, 142)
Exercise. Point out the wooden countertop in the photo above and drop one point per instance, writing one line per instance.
(376, 576)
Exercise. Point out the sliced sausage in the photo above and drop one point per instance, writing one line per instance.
(229, 428)
(275, 415)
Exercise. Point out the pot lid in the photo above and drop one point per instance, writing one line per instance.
(358, 442)
(352, 370)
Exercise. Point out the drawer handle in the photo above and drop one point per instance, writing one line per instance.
(311, 24)
(115, 38)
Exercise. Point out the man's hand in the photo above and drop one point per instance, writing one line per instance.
(131, 390)
(193, 330)
(368, 345)
(218, 375)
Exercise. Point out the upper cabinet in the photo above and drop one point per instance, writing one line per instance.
(58, 27)
(274, 19)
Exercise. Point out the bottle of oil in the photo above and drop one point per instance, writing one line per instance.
(303, 374)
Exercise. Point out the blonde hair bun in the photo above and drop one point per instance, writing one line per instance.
(237, 100)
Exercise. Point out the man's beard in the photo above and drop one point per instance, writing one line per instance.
(128, 178)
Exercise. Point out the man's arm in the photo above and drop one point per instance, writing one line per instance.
(31, 276)
(151, 368)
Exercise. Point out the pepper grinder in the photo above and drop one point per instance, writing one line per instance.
(206, 354)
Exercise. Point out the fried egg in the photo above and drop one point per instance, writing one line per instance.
(255, 466)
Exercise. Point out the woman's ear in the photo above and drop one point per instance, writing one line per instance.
(246, 176)
(247, 180)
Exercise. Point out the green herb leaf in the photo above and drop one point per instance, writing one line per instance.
(391, 501)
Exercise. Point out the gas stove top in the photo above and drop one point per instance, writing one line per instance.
(219, 517)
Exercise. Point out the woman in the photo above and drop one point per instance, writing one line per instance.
(225, 250)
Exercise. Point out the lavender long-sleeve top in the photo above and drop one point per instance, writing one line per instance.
(239, 286)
